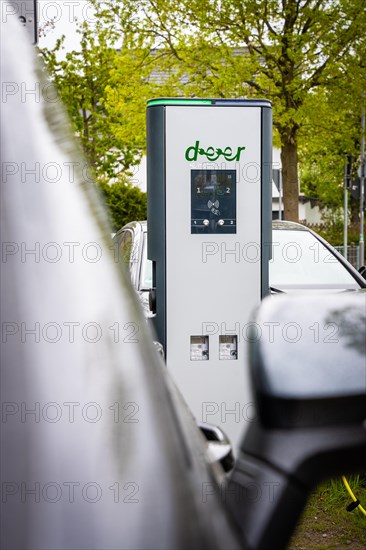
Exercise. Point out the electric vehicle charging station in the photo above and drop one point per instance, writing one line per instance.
(209, 178)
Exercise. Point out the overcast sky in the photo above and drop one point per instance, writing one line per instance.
(64, 14)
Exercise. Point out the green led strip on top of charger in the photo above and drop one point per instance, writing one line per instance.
(179, 102)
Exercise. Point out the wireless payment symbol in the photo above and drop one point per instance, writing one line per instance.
(213, 207)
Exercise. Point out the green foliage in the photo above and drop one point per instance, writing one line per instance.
(326, 523)
(283, 51)
(331, 229)
(331, 129)
(124, 202)
(304, 55)
(338, 493)
(84, 80)
(104, 91)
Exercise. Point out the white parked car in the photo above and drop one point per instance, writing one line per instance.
(302, 261)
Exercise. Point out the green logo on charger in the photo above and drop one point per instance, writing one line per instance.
(212, 154)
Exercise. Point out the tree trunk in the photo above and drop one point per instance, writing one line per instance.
(290, 180)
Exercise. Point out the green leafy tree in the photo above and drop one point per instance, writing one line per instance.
(281, 50)
(124, 202)
(83, 81)
(106, 120)
(330, 130)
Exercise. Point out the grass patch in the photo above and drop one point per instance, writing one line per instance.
(326, 524)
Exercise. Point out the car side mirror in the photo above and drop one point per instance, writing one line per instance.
(308, 372)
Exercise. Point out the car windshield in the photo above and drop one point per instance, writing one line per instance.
(300, 260)
(146, 277)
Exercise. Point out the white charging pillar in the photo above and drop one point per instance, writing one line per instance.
(209, 183)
